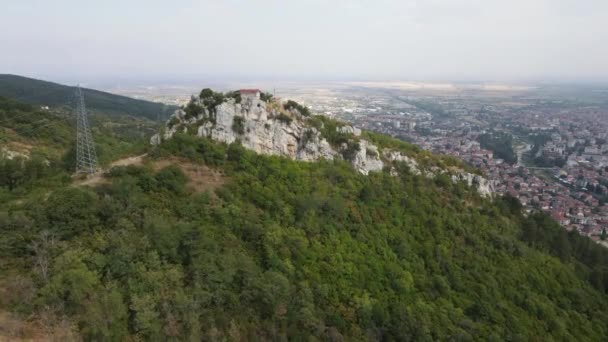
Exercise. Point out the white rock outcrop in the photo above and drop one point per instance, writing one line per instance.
(367, 158)
(484, 186)
(268, 130)
(348, 129)
(399, 157)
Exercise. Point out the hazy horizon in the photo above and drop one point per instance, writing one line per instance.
(463, 41)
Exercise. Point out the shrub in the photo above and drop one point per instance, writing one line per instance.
(206, 93)
(211, 99)
(351, 150)
(238, 125)
(294, 105)
(284, 118)
(370, 152)
(308, 136)
(266, 97)
(172, 122)
(128, 170)
(21, 171)
(236, 95)
(171, 178)
(193, 109)
(328, 128)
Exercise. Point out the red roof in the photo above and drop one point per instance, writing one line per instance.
(249, 91)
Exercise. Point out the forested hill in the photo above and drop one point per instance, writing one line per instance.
(43, 93)
(209, 241)
(37, 146)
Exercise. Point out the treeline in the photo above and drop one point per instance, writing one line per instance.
(590, 259)
(501, 144)
(543, 233)
(38, 92)
(287, 250)
(19, 172)
(33, 123)
(25, 125)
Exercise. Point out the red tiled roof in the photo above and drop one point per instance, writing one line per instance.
(249, 91)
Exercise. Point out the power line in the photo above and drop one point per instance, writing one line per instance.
(86, 158)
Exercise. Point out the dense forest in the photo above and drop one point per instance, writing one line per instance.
(275, 249)
(43, 93)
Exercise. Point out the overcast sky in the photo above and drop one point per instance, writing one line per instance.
(483, 40)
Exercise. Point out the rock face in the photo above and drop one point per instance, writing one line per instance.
(484, 186)
(367, 158)
(267, 129)
(399, 157)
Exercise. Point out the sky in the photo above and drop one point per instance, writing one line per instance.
(430, 40)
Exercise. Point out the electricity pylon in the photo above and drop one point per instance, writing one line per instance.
(86, 159)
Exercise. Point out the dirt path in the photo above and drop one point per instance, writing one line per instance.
(97, 178)
(136, 160)
(200, 177)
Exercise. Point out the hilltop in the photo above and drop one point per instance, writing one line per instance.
(54, 95)
(207, 239)
(265, 125)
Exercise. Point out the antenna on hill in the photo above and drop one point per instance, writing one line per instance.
(86, 159)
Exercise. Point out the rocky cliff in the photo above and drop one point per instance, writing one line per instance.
(267, 127)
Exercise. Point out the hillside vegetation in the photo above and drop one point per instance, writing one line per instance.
(37, 147)
(288, 250)
(43, 93)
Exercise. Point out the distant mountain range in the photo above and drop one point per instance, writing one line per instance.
(44, 93)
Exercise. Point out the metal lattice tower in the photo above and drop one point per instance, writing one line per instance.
(86, 159)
